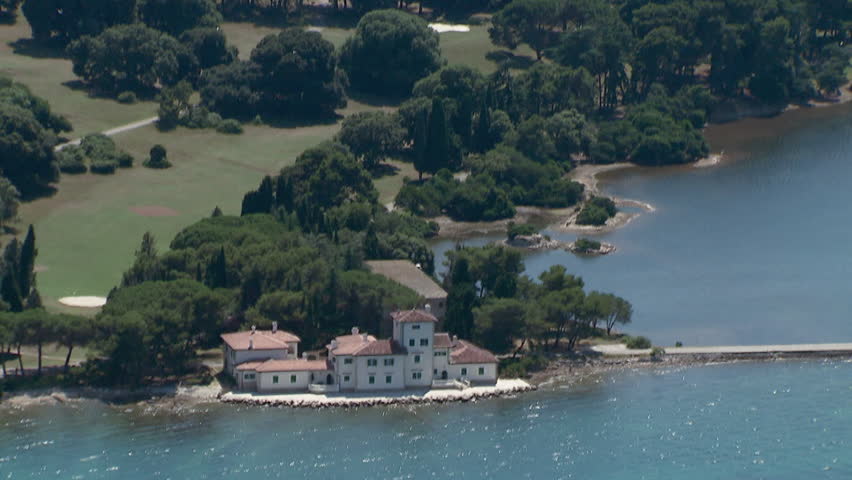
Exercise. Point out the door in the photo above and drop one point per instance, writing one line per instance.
(329, 380)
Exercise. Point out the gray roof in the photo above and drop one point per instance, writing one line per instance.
(406, 273)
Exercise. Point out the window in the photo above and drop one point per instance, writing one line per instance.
(410, 342)
(415, 327)
(248, 376)
(464, 371)
(292, 379)
(346, 378)
(388, 362)
(388, 378)
(424, 342)
(440, 354)
(347, 361)
(417, 359)
(372, 379)
(435, 372)
(482, 370)
(372, 362)
(416, 375)
(275, 379)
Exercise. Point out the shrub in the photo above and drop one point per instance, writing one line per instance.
(97, 146)
(103, 167)
(124, 159)
(157, 158)
(230, 126)
(71, 165)
(657, 352)
(636, 343)
(584, 245)
(126, 97)
(520, 229)
(522, 367)
(597, 211)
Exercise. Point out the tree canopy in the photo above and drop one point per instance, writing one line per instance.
(389, 52)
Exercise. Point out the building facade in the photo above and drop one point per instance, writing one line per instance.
(415, 357)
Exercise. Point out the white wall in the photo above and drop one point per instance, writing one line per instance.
(440, 363)
(410, 331)
(236, 357)
(243, 382)
(265, 381)
(380, 371)
(489, 375)
(342, 370)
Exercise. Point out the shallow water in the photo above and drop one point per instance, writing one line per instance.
(786, 420)
(756, 250)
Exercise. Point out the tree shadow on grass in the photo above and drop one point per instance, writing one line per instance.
(373, 100)
(302, 122)
(31, 48)
(383, 170)
(511, 60)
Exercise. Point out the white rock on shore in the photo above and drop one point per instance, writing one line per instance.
(502, 388)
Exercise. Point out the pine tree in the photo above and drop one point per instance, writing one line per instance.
(217, 212)
(148, 248)
(437, 154)
(26, 264)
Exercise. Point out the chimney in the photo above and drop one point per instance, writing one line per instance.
(428, 308)
(251, 343)
(253, 329)
(419, 267)
(354, 330)
(333, 344)
(455, 339)
(364, 337)
(274, 327)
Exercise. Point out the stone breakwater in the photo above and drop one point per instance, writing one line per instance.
(376, 399)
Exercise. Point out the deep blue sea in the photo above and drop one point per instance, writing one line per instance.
(757, 250)
(780, 421)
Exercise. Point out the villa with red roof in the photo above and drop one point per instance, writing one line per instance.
(416, 357)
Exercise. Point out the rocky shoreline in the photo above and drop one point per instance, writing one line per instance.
(503, 388)
(538, 241)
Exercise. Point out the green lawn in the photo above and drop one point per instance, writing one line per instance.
(87, 232)
(50, 77)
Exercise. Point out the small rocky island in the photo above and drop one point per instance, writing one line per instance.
(525, 236)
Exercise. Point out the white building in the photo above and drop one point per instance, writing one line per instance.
(416, 357)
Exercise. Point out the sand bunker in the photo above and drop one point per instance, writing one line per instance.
(84, 302)
(444, 27)
(154, 211)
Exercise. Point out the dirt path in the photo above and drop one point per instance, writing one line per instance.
(113, 131)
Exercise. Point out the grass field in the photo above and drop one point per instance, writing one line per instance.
(87, 232)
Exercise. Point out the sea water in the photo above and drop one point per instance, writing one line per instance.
(756, 250)
(782, 420)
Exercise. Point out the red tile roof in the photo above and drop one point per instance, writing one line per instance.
(294, 365)
(262, 340)
(380, 347)
(413, 316)
(249, 365)
(466, 352)
(348, 344)
(442, 340)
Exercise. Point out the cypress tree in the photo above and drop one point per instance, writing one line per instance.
(217, 274)
(420, 141)
(10, 292)
(437, 154)
(482, 138)
(217, 212)
(26, 264)
(371, 243)
(461, 300)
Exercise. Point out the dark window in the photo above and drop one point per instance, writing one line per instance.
(424, 342)
(464, 371)
(292, 379)
(388, 379)
(410, 342)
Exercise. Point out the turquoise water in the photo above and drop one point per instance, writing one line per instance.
(790, 420)
(757, 250)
